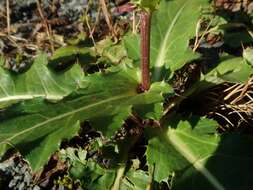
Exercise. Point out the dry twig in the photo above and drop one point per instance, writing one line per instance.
(108, 18)
(46, 25)
(236, 99)
(8, 20)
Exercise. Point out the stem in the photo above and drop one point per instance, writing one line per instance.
(119, 176)
(145, 49)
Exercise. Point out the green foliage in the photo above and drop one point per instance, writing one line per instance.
(43, 106)
(170, 36)
(230, 69)
(149, 5)
(38, 81)
(69, 54)
(197, 154)
(248, 55)
(37, 122)
(95, 176)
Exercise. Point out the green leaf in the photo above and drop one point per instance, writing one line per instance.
(76, 159)
(48, 145)
(149, 5)
(231, 69)
(109, 125)
(132, 180)
(135, 180)
(30, 123)
(132, 46)
(173, 25)
(105, 179)
(248, 55)
(70, 54)
(109, 52)
(1, 61)
(94, 176)
(69, 51)
(38, 81)
(197, 157)
(114, 54)
(171, 34)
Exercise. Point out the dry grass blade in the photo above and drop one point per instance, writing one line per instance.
(8, 20)
(108, 18)
(46, 25)
(235, 104)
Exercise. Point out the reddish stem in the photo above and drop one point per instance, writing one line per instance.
(125, 8)
(145, 49)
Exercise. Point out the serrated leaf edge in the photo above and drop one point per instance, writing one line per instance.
(181, 147)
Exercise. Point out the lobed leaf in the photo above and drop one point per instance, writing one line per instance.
(198, 157)
(38, 81)
(30, 125)
(171, 34)
(93, 175)
(230, 69)
(173, 25)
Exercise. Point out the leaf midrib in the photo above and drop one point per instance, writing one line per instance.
(27, 97)
(65, 115)
(183, 149)
(162, 49)
(196, 139)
